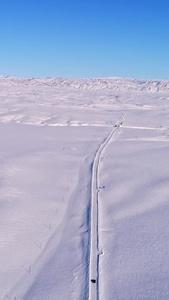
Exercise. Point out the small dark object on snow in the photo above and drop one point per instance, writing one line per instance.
(93, 280)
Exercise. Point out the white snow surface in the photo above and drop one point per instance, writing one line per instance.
(78, 185)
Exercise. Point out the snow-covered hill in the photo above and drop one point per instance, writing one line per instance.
(114, 83)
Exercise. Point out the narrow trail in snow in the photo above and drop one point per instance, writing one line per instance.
(94, 229)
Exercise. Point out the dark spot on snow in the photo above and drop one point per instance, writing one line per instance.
(93, 280)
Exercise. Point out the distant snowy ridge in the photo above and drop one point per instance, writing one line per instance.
(114, 83)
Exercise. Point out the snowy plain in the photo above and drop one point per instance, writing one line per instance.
(51, 131)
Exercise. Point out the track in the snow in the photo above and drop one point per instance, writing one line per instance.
(94, 230)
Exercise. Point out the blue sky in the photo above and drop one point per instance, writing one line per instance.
(84, 38)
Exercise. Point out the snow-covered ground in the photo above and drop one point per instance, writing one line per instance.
(84, 178)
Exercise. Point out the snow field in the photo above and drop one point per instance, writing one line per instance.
(50, 135)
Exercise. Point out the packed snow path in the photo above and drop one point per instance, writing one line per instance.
(94, 231)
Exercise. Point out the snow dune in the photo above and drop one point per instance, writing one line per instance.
(51, 132)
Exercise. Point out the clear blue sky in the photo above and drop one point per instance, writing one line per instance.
(84, 38)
